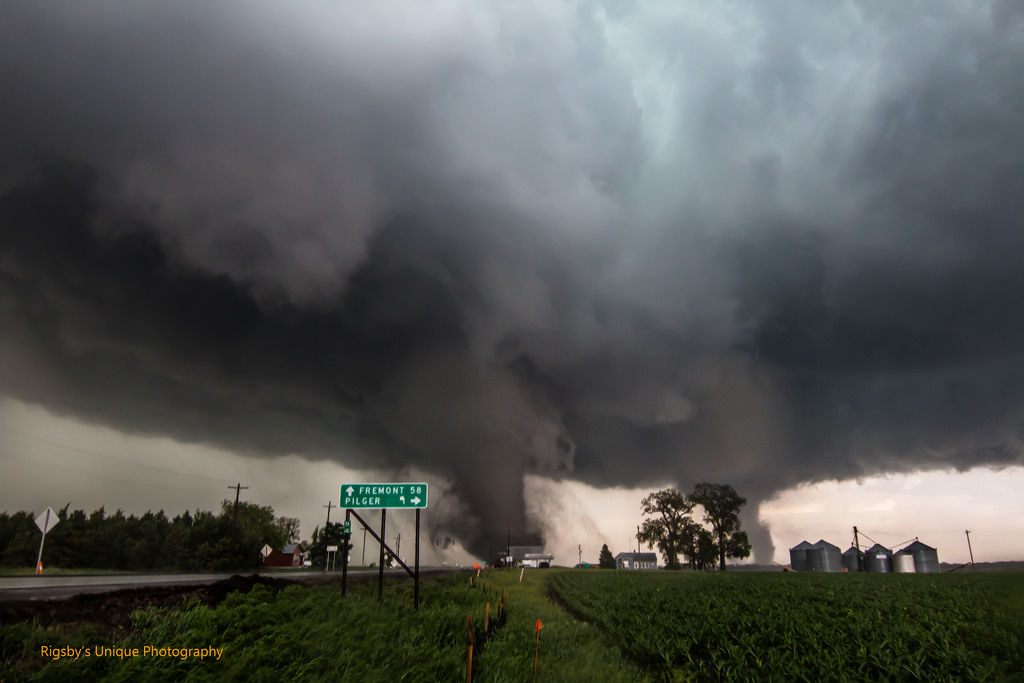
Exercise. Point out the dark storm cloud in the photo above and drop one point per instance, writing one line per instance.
(620, 242)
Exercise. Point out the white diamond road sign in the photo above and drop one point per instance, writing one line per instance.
(384, 496)
(46, 520)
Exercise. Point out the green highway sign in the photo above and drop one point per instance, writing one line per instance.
(386, 496)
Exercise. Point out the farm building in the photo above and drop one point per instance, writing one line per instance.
(636, 561)
(853, 559)
(798, 556)
(824, 557)
(537, 560)
(926, 558)
(518, 553)
(816, 557)
(290, 556)
(878, 559)
(529, 556)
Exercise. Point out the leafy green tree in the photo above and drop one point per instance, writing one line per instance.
(10, 525)
(22, 540)
(605, 560)
(707, 550)
(68, 540)
(330, 534)
(694, 540)
(176, 551)
(722, 506)
(289, 528)
(147, 534)
(668, 529)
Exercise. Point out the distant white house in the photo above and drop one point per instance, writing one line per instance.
(636, 561)
(517, 553)
(537, 560)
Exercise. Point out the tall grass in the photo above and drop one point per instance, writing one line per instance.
(316, 635)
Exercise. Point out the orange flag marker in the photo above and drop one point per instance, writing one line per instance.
(537, 650)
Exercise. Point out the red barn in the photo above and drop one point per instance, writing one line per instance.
(291, 556)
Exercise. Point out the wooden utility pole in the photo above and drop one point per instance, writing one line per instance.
(238, 489)
(968, 532)
(328, 506)
(326, 533)
(856, 542)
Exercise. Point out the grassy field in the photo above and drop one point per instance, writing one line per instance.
(597, 626)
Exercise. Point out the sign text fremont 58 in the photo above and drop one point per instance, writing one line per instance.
(387, 496)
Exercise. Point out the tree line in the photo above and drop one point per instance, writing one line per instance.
(196, 541)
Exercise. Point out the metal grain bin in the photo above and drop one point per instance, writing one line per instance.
(903, 563)
(798, 556)
(926, 558)
(824, 557)
(852, 559)
(878, 559)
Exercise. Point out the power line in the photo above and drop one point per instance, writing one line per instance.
(94, 475)
(892, 547)
(65, 449)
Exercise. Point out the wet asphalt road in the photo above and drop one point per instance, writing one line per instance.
(63, 586)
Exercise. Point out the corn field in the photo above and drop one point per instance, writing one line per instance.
(788, 627)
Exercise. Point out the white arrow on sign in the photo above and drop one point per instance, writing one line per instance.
(349, 491)
(402, 498)
(415, 501)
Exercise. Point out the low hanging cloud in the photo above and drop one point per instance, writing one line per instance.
(616, 242)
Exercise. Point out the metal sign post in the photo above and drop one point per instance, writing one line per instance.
(332, 557)
(45, 521)
(416, 583)
(345, 536)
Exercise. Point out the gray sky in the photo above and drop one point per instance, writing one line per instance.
(619, 244)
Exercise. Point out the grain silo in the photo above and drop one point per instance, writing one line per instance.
(903, 563)
(926, 558)
(852, 559)
(878, 559)
(798, 556)
(824, 557)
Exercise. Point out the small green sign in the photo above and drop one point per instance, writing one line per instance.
(384, 496)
